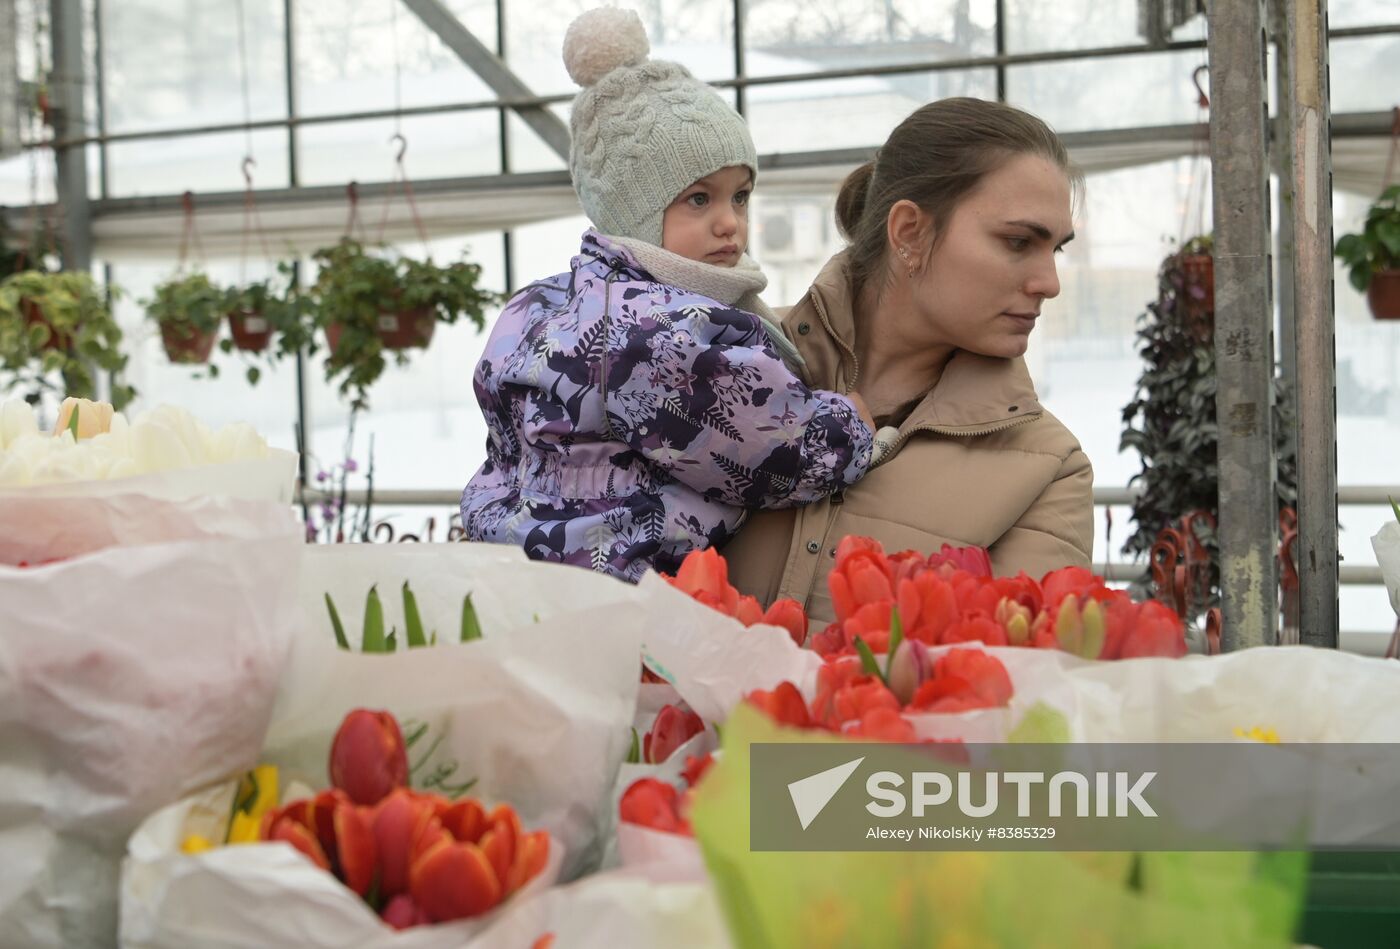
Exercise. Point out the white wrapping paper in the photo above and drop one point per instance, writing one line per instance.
(140, 668)
(712, 659)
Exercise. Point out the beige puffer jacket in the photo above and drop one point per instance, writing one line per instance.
(978, 462)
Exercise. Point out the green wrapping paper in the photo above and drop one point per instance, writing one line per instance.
(775, 900)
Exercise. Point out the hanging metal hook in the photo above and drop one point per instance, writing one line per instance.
(402, 143)
(1202, 99)
(248, 165)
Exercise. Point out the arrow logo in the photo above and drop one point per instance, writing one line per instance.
(811, 795)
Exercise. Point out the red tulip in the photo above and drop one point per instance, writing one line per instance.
(471, 862)
(368, 759)
(973, 560)
(334, 833)
(672, 728)
(653, 803)
(975, 627)
(861, 575)
(883, 724)
(783, 705)
(1156, 631)
(704, 575)
(964, 679)
(695, 768)
(397, 822)
(401, 912)
(788, 614)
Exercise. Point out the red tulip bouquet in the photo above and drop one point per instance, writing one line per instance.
(368, 855)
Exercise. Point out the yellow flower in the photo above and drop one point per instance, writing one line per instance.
(257, 794)
(94, 418)
(1266, 735)
(195, 843)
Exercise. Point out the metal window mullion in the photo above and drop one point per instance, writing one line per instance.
(1311, 213)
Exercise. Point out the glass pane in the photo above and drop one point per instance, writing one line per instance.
(173, 64)
(439, 146)
(846, 113)
(26, 178)
(1033, 26)
(356, 56)
(793, 36)
(528, 152)
(196, 163)
(1362, 12)
(426, 427)
(792, 235)
(270, 406)
(698, 34)
(1365, 73)
(1147, 89)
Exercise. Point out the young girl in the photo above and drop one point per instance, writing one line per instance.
(636, 406)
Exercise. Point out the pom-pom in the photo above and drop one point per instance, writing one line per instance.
(602, 40)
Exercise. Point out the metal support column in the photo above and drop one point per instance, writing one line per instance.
(492, 71)
(1243, 324)
(1312, 289)
(69, 125)
(1284, 252)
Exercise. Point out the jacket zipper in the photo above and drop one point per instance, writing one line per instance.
(940, 430)
(855, 363)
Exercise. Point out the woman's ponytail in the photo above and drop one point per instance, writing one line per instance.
(850, 202)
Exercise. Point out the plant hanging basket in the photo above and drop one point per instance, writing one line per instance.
(250, 330)
(1198, 294)
(34, 316)
(410, 329)
(185, 345)
(1383, 294)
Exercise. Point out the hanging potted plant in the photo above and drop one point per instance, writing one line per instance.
(250, 319)
(369, 304)
(1171, 420)
(1198, 284)
(1373, 256)
(188, 308)
(59, 324)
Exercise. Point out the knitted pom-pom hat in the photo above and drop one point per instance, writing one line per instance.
(643, 130)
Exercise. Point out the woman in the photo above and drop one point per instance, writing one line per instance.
(953, 231)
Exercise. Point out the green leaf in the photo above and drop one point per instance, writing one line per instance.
(336, 625)
(73, 422)
(374, 624)
(1360, 276)
(471, 627)
(867, 659)
(1394, 507)
(1389, 234)
(413, 623)
(634, 753)
(254, 374)
(896, 637)
(391, 642)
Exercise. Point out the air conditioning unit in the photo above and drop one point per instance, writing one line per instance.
(10, 106)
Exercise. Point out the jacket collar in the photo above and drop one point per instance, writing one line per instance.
(975, 394)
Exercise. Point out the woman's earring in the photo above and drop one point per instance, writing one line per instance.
(904, 255)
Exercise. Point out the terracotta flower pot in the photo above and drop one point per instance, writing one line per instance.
(34, 316)
(412, 329)
(1384, 294)
(250, 330)
(185, 345)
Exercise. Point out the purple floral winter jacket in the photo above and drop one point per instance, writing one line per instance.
(631, 422)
